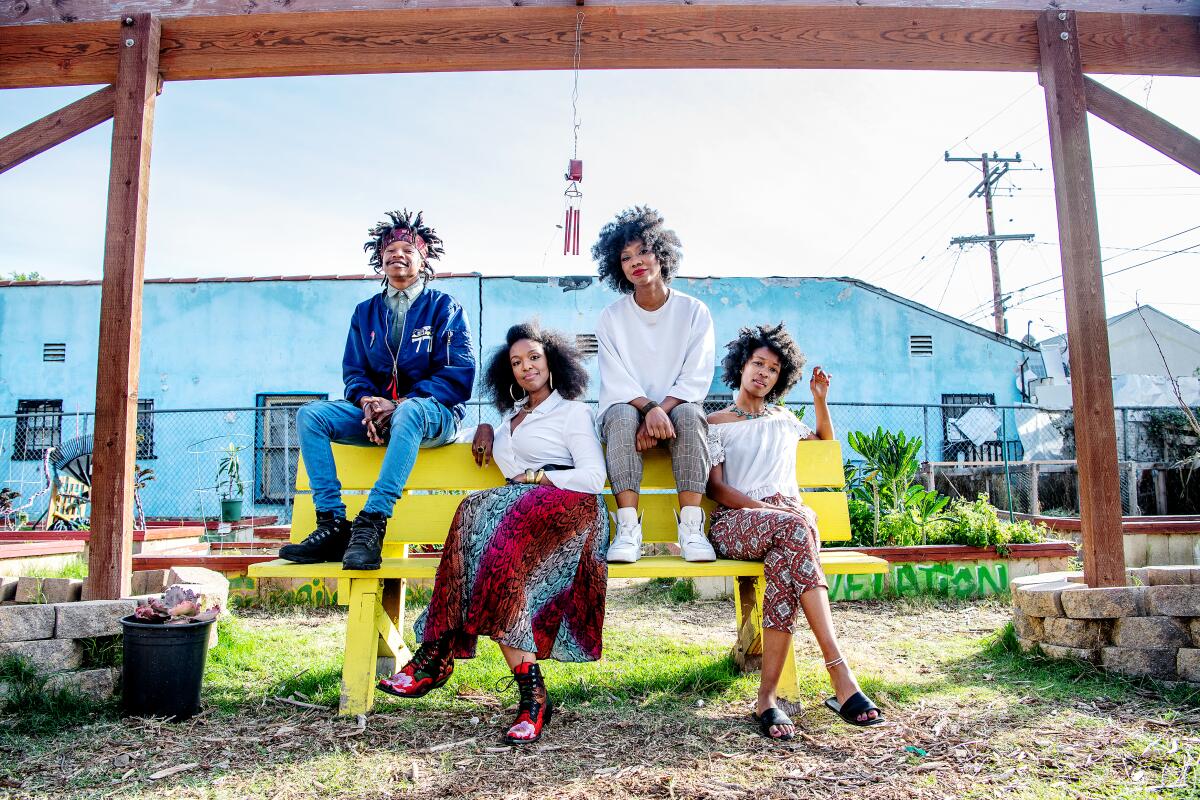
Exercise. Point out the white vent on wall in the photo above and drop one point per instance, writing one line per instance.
(54, 351)
(920, 346)
(587, 344)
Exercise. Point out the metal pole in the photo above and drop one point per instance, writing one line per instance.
(1004, 454)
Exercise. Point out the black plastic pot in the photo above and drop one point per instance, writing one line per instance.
(163, 668)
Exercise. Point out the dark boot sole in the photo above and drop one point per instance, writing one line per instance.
(306, 559)
(362, 567)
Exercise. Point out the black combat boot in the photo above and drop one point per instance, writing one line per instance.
(327, 543)
(366, 541)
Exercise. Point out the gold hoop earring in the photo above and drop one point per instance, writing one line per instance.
(552, 381)
(513, 394)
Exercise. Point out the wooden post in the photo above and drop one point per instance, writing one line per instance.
(1035, 501)
(54, 129)
(1134, 474)
(114, 448)
(1160, 491)
(1061, 75)
(1142, 124)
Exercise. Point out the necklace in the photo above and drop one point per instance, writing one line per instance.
(748, 414)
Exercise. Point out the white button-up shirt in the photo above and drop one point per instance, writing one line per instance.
(558, 431)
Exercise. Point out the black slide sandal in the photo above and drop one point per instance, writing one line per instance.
(770, 718)
(856, 704)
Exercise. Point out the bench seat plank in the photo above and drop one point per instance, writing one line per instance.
(835, 561)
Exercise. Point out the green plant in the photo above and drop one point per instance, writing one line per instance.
(892, 463)
(926, 507)
(229, 473)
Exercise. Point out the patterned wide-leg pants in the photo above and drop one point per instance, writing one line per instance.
(786, 543)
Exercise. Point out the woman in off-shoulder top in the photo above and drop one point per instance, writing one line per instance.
(760, 516)
(523, 563)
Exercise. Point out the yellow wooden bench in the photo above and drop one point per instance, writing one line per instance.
(374, 642)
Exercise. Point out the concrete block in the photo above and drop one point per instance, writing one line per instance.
(1139, 576)
(1040, 578)
(1040, 600)
(1153, 633)
(1194, 625)
(213, 585)
(1139, 662)
(1026, 645)
(1157, 552)
(1169, 576)
(48, 590)
(1102, 603)
(1179, 548)
(1059, 652)
(1135, 549)
(90, 618)
(48, 655)
(1078, 633)
(95, 684)
(1187, 664)
(1173, 601)
(714, 587)
(8, 587)
(149, 581)
(1027, 627)
(23, 623)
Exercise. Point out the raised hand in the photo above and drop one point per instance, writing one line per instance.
(819, 385)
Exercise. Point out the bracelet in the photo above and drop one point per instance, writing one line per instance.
(647, 408)
(537, 476)
(530, 475)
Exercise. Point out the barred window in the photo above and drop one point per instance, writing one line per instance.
(39, 427)
(277, 450)
(145, 429)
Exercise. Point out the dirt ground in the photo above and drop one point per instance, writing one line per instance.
(965, 720)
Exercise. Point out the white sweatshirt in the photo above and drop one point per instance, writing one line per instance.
(655, 354)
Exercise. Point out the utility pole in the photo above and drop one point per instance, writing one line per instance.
(991, 176)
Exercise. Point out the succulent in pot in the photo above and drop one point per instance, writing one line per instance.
(177, 606)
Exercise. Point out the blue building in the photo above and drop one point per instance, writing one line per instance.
(273, 343)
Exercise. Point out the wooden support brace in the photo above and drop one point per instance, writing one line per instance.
(389, 621)
(362, 647)
(748, 597)
(111, 545)
(1142, 124)
(56, 128)
(1061, 75)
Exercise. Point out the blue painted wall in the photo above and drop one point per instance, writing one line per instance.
(223, 344)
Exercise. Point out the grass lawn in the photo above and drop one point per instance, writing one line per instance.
(662, 715)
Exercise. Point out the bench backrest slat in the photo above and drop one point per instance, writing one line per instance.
(424, 518)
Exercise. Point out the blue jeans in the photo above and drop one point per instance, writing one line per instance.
(417, 422)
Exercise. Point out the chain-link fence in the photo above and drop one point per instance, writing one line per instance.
(1021, 457)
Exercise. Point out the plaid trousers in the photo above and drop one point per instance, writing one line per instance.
(689, 449)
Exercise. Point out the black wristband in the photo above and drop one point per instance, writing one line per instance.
(649, 406)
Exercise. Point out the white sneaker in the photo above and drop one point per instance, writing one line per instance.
(693, 544)
(626, 547)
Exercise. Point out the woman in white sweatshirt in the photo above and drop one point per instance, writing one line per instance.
(656, 366)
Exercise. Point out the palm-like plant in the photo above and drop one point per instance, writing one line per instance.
(229, 473)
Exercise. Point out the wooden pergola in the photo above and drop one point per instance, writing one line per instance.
(136, 46)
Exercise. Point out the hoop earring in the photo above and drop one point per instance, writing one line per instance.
(513, 395)
(552, 381)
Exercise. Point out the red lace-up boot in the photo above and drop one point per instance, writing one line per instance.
(430, 667)
(534, 710)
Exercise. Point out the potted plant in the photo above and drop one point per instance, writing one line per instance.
(165, 646)
(229, 484)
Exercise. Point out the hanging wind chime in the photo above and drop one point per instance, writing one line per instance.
(573, 196)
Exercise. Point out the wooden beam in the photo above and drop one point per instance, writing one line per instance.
(34, 12)
(114, 441)
(1142, 124)
(1087, 327)
(56, 128)
(651, 37)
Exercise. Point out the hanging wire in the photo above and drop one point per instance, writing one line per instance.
(575, 90)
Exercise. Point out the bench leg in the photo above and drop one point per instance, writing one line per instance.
(362, 646)
(748, 599)
(389, 622)
(747, 652)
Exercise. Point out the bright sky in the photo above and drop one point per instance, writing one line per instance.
(761, 173)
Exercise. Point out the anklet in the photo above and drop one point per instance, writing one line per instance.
(835, 662)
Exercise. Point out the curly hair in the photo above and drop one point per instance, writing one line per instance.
(569, 377)
(407, 221)
(776, 339)
(638, 223)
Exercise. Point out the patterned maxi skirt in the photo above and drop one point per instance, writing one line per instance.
(526, 566)
(787, 544)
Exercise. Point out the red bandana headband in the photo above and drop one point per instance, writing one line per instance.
(404, 235)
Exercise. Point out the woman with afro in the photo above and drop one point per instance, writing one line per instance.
(656, 366)
(523, 563)
(760, 516)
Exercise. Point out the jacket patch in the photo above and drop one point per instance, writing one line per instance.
(423, 334)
